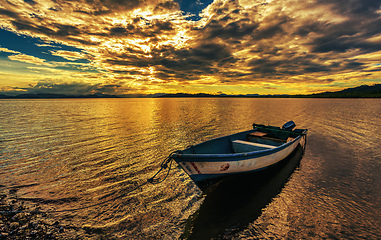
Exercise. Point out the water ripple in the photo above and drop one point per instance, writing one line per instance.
(63, 154)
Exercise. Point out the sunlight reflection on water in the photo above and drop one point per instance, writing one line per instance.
(68, 153)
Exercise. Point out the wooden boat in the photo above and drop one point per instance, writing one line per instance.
(247, 151)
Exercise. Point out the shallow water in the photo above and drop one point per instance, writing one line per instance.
(68, 153)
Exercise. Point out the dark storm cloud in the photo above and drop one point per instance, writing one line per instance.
(168, 5)
(268, 31)
(233, 30)
(90, 7)
(227, 23)
(22, 25)
(8, 13)
(57, 30)
(104, 7)
(97, 7)
(335, 37)
(354, 65)
(270, 37)
(31, 2)
(264, 66)
(353, 7)
(73, 88)
(151, 29)
(351, 34)
(186, 64)
(211, 51)
(130, 61)
(66, 30)
(190, 64)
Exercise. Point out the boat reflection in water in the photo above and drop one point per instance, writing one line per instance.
(233, 203)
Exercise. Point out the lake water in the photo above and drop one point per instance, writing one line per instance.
(68, 153)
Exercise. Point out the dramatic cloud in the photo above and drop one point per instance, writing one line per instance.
(7, 50)
(235, 46)
(69, 55)
(27, 59)
(74, 88)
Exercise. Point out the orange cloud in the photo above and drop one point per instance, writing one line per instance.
(27, 59)
(235, 43)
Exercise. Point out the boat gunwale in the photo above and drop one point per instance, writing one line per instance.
(181, 157)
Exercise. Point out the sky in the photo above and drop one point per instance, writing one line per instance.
(203, 46)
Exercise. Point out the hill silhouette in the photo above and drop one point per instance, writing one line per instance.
(364, 91)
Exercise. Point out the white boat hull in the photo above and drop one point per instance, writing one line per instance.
(202, 167)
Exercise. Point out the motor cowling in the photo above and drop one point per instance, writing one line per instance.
(289, 125)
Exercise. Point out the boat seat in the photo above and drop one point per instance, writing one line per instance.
(240, 146)
(262, 135)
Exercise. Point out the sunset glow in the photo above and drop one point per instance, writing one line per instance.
(166, 46)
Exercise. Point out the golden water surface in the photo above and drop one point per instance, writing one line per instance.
(68, 153)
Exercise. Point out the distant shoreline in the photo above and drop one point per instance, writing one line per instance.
(364, 91)
(232, 96)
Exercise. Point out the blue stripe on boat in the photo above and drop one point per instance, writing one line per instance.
(228, 157)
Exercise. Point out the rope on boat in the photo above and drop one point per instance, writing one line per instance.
(152, 180)
(163, 165)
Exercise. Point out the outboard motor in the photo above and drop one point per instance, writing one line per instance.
(289, 125)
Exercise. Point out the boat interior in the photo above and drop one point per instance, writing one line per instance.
(248, 141)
